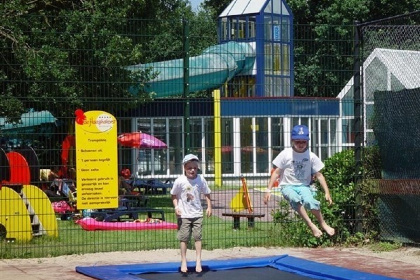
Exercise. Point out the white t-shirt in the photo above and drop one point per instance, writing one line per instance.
(297, 167)
(188, 195)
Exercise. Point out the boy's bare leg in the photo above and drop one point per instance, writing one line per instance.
(198, 267)
(302, 212)
(324, 225)
(184, 267)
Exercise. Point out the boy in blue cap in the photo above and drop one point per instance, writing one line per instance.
(295, 167)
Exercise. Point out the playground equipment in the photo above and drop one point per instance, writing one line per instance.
(254, 57)
(15, 222)
(240, 202)
(19, 169)
(215, 66)
(25, 210)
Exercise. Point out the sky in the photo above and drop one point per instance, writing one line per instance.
(195, 4)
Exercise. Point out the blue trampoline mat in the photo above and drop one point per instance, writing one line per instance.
(285, 266)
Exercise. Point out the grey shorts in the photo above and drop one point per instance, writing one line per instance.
(188, 227)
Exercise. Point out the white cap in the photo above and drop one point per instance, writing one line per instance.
(189, 157)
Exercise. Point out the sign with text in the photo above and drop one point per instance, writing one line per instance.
(96, 160)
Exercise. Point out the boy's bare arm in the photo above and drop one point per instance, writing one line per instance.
(175, 203)
(209, 207)
(323, 183)
(274, 177)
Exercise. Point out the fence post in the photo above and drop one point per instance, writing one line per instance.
(358, 126)
(186, 80)
(217, 140)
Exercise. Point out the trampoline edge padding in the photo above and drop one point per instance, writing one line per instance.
(286, 263)
(324, 271)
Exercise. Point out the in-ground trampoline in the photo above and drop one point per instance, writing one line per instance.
(282, 267)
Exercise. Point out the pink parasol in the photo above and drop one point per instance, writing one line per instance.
(140, 140)
(250, 149)
(227, 149)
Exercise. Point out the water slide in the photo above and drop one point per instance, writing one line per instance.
(215, 66)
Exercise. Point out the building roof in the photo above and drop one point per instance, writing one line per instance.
(29, 119)
(402, 64)
(240, 7)
(244, 7)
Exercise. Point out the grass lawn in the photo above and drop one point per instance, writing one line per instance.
(72, 239)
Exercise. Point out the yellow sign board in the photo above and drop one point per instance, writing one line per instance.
(96, 160)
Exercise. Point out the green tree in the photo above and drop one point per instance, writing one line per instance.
(167, 42)
(216, 7)
(61, 55)
(324, 40)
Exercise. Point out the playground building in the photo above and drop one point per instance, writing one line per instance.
(251, 75)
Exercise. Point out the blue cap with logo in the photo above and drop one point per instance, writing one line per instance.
(300, 132)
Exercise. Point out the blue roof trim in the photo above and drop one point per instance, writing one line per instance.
(280, 106)
(161, 108)
(242, 107)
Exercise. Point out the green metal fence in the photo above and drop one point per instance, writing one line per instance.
(89, 73)
(390, 71)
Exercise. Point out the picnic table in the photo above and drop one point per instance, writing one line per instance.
(151, 186)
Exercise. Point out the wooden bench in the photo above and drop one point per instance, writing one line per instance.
(236, 218)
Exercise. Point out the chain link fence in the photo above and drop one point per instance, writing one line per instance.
(252, 132)
(391, 71)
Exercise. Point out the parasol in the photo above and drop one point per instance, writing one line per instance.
(250, 149)
(141, 140)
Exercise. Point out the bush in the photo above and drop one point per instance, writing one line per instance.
(353, 213)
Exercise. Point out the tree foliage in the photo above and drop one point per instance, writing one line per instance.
(324, 55)
(59, 55)
(215, 6)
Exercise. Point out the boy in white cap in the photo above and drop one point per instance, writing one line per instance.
(186, 192)
(296, 166)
